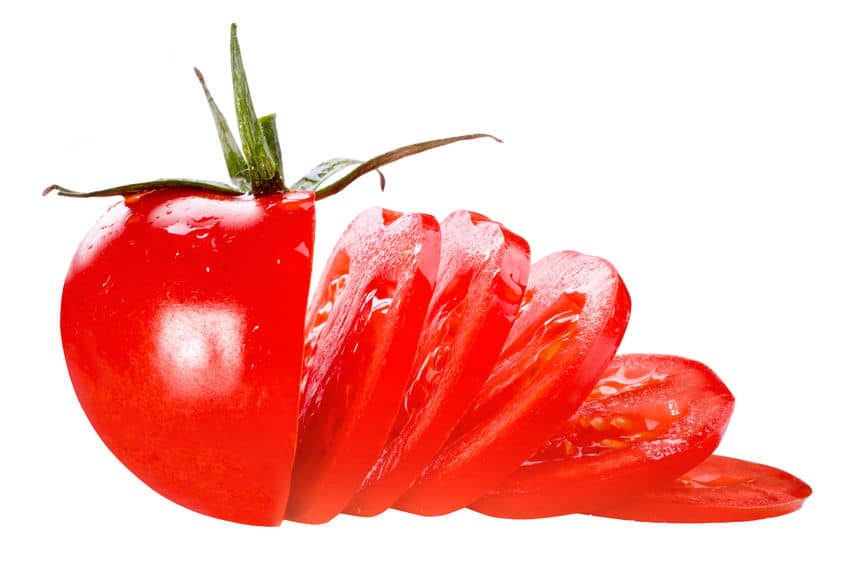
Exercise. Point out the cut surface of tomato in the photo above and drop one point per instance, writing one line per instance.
(362, 326)
(182, 325)
(648, 419)
(721, 489)
(572, 318)
(483, 271)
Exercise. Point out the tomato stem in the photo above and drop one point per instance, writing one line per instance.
(256, 167)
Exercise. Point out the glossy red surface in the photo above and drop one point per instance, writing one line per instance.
(362, 330)
(649, 419)
(483, 271)
(721, 489)
(572, 319)
(182, 324)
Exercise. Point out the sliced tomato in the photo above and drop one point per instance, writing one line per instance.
(721, 489)
(362, 329)
(649, 419)
(482, 276)
(571, 321)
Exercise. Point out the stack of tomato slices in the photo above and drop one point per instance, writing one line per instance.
(479, 380)
(441, 370)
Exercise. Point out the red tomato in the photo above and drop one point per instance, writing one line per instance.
(482, 275)
(721, 489)
(362, 330)
(649, 419)
(572, 319)
(182, 324)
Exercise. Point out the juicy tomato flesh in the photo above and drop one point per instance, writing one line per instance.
(483, 271)
(572, 318)
(362, 329)
(648, 419)
(182, 325)
(721, 489)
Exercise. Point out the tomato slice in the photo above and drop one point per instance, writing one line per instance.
(362, 329)
(482, 276)
(571, 321)
(182, 325)
(649, 419)
(721, 489)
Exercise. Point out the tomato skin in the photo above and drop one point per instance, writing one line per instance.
(649, 419)
(483, 270)
(721, 489)
(182, 325)
(362, 330)
(574, 313)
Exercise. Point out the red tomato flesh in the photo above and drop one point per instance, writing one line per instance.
(483, 270)
(362, 329)
(182, 325)
(649, 419)
(574, 313)
(721, 489)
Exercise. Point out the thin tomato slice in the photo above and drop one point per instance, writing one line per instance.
(649, 419)
(362, 329)
(571, 321)
(483, 272)
(721, 489)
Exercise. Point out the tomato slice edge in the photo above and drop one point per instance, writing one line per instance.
(737, 490)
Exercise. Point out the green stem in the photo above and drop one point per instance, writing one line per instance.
(257, 167)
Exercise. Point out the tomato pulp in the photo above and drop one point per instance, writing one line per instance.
(483, 271)
(572, 318)
(362, 329)
(182, 325)
(649, 419)
(721, 489)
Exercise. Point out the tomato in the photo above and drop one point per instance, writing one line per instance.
(571, 321)
(721, 489)
(363, 326)
(649, 419)
(182, 325)
(185, 329)
(483, 271)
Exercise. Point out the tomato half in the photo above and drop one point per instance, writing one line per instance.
(649, 419)
(483, 271)
(571, 321)
(182, 325)
(363, 326)
(721, 489)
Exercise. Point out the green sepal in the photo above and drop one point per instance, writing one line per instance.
(261, 167)
(139, 187)
(236, 164)
(390, 157)
(313, 180)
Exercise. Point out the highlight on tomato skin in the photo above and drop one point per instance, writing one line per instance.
(721, 489)
(648, 419)
(483, 271)
(571, 321)
(363, 325)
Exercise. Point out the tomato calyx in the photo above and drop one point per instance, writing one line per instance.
(256, 166)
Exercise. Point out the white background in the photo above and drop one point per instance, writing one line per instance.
(701, 147)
